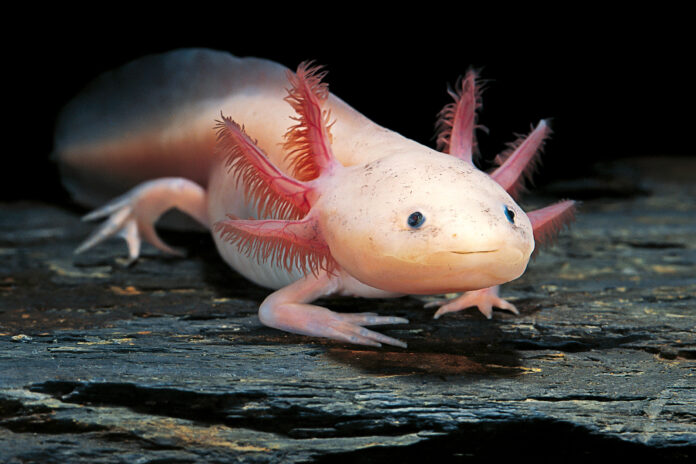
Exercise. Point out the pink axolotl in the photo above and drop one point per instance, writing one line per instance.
(303, 193)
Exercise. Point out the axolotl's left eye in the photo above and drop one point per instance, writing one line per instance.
(509, 214)
(415, 220)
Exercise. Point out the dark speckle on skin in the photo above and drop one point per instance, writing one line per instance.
(429, 232)
(461, 170)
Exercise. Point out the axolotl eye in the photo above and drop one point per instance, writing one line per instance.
(509, 214)
(415, 220)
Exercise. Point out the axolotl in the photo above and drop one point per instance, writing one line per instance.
(302, 193)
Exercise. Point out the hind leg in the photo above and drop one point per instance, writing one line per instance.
(133, 215)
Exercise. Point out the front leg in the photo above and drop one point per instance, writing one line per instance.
(288, 309)
(484, 299)
(134, 214)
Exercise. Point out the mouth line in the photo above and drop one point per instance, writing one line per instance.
(473, 252)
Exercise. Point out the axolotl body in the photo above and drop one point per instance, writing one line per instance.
(303, 194)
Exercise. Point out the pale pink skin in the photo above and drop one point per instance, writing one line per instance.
(155, 136)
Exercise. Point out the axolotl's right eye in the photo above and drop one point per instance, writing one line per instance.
(415, 220)
(509, 214)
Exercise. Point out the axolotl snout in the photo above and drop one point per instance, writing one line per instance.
(303, 194)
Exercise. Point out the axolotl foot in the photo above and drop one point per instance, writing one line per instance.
(318, 321)
(484, 299)
(132, 216)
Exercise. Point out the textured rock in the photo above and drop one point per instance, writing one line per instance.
(165, 360)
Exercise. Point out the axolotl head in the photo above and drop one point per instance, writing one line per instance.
(422, 223)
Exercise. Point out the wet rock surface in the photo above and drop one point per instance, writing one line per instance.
(166, 361)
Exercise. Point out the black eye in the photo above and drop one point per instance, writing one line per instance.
(509, 214)
(415, 220)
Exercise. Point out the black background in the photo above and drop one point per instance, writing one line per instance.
(614, 87)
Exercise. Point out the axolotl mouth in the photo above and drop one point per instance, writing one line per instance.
(474, 252)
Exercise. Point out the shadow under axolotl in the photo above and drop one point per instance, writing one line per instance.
(466, 347)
